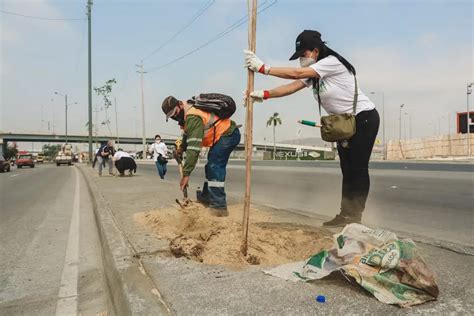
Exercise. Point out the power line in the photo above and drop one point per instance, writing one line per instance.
(193, 19)
(229, 29)
(40, 18)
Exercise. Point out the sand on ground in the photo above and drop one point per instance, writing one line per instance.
(195, 234)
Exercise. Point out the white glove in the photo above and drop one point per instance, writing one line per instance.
(254, 63)
(257, 96)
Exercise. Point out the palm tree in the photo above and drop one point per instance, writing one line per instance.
(274, 120)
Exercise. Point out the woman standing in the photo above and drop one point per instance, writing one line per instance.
(160, 155)
(332, 79)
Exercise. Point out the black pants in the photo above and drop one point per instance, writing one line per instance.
(125, 163)
(355, 164)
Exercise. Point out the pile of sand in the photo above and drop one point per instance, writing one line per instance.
(197, 235)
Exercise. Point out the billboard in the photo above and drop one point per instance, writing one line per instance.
(462, 122)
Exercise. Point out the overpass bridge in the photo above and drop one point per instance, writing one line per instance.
(84, 139)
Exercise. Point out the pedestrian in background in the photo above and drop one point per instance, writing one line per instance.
(104, 156)
(123, 161)
(160, 153)
(333, 82)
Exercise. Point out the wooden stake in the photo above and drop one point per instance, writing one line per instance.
(249, 127)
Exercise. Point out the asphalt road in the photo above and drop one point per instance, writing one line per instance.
(50, 253)
(428, 199)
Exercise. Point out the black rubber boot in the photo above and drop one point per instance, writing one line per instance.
(341, 221)
(201, 199)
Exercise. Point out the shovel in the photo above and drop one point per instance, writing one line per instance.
(185, 201)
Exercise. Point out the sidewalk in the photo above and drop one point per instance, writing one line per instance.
(143, 273)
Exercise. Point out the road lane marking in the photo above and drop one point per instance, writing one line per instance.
(67, 296)
(14, 175)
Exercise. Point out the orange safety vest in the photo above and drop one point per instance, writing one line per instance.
(212, 132)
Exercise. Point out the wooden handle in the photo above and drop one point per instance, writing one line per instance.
(249, 128)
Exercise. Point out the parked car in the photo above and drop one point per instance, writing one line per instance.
(25, 160)
(4, 164)
(40, 158)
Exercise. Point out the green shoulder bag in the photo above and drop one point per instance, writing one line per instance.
(338, 127)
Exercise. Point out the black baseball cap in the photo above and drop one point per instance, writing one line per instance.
(308, 39)
(169, 106)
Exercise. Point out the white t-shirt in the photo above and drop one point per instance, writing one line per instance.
(157, 149)
(120, 154)
(336, 85)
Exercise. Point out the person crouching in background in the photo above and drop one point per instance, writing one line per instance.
(123, 161)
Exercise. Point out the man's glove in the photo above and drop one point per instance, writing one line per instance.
(254, 63)
(178, 153)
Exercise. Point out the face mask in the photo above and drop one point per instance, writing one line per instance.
(157, 141)
(306, 61)
(179, 118)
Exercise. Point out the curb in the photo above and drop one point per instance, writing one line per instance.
(131, 289)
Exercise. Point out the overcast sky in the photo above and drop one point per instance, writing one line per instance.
(419, 53)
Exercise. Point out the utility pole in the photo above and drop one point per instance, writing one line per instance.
(141, 72)
(116, 121)
(41, 128)
(89, 83)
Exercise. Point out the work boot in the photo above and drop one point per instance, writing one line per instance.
(341, 221)
(219, 212)
(201, 199)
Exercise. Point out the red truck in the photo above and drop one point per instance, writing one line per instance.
(24, 158)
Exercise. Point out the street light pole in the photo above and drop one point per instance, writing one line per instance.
(384, 151)
(141, 72)
(65, 110)
(65, 100)
(400, 124)
(409, 117)
(42, 121)
(405, 126)
(468, 119)
(116, 121)
(52, 114)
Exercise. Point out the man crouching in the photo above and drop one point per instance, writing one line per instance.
(203, 128)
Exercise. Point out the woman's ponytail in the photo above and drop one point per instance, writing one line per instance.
(325, 51)
(344, 61)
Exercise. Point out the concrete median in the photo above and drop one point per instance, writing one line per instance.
(145, 278)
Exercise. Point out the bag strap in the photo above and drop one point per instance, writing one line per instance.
(356, 97)
(316, 82)
(354, 103)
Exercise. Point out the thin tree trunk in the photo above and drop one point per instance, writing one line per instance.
(274, 143)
